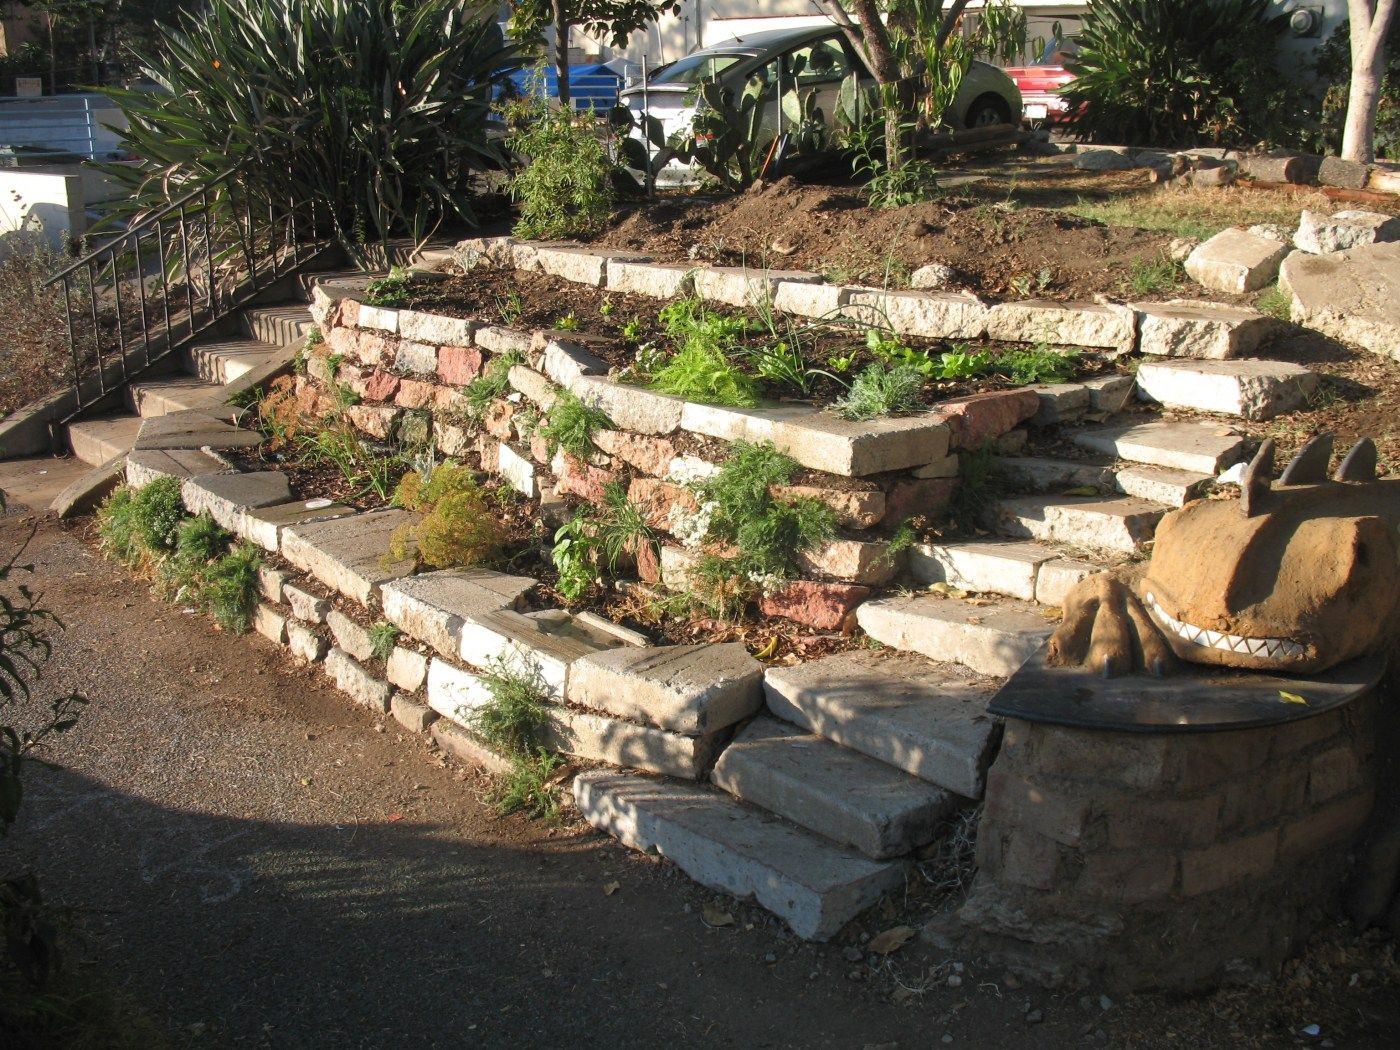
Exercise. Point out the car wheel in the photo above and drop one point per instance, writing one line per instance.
(987, 110)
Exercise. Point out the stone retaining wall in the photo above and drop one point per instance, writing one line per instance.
(1169, 860)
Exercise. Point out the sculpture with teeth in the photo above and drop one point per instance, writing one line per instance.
(1295, 577)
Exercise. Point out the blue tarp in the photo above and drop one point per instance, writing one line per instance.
(590, 87)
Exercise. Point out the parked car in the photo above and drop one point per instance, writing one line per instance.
(814, 60)
(1042, 82)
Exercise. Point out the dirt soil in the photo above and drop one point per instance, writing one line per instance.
(251, 860)
(830, 230)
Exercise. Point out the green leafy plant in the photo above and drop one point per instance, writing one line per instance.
(512, 718)
(140, 525)
(564, 189)
(392, 290)
(457, 527)
(1037, 364)
(567, 323)
(881, 391)
(575, 557)
(527, 787)
(621, 529)
(1153, 276)
(491, 385)
(962, 363)
(383, 636)
(1176, 72)
(368, 472)
(229, 587)
(769, 533)
(701, 368)
(1276, 303)
(915, 182)
(570, 425)
(377, 111)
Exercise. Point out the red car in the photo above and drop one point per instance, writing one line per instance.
(1041, 84)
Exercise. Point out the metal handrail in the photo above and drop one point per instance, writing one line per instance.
(150, 290)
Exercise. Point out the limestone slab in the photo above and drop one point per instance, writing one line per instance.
(852, 561)
(825, 441)
(433, 606)
(406, 669)
(815, 886)
(1249, 388)
(1353, 296)
(264, 525)
(525, 645)
(305, 643)
(1181, 445)
(192, 429)
(989, 639)
(896, 708)
(743, 287)
(409, 713)
(1172, 488)
(630, 407)
(574, 264)
(691, 689)
(534, 385)
(272, 584)
(436, 329)
(935, 315)
(349, 555)
(224, 497)
(415, 358)
(349, 635)
(991, 567)
(270, 623)
(1322, 234)
(465, 748)
(1211, 331)
(810, 300)
(1059, 403)
(839, 793)
(600, 738)
(356, 682)
(1120, 524)
(498, 339)
(1060, 576)
(311, 608)
(1039, 474)
(658, 280)
(518, 472)
(564, 361)
(1109, 393)
(1063, 324)
(738, 424)
(1236, 261)
(455, 693)
(148, 465)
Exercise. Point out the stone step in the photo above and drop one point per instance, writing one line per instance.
(97, 440)
(813, 885)
(832, 790)
(991, 638)
(226, 497)
(280, 325)
(987, 567)
(433, 606)
(929, 721)
(224, 360)
(159, 397)
(1172, 488)
(532, 644)
(1205, 448)
(1114, 524)
(1249, 388)
(350, 554)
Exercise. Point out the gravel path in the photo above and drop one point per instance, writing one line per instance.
(255, 862)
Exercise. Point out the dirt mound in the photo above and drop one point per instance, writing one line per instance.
(996, 250)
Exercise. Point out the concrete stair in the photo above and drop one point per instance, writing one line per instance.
(839, 793)
(1013, 568)
(990, 637)
(166, 394)
(1122, 524)
(221, 361)
(98, 440)
(1192, 445)
(1166, 485)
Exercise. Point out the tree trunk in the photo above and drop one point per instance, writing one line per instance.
(561, 53)
(1370, 23)
(950, 19)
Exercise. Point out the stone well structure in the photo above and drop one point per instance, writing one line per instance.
(1171, 860)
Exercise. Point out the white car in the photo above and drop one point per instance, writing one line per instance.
(822, 59)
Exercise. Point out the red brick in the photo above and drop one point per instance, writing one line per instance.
(1228, 863)
(649, 454)
(343, 341)
(347, 314)
(824, 606)
(1131, 877)
(648, 564)
(1333, 773)
(415, 393)
(919, 498)
(654, 499)
(382, 386)
(856, 508)
(977, 417)
(373, 349)
(458, 365)
(539, 448)
(1331, 825)
(444, 399)
(1016, 802)
(375, 420)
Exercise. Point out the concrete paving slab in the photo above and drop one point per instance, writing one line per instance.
(1181, 444)
(225, 497)
(1250, 388)
(432, 607)
(991, 639)
(349, 555)
(1124, 523)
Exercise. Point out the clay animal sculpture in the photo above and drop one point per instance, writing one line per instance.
(1293, 577)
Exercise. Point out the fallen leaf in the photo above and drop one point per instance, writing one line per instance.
(768, 650)
(713, 916)
(611, 888)
(891, 940)
(1291, 698)
(394, 818)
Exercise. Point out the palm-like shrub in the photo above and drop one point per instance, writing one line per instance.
(375, 110)
(1177, 72)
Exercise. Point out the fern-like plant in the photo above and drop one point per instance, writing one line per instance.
(570, 425)
(457, 527)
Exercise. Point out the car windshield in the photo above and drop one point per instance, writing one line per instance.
(694, 68)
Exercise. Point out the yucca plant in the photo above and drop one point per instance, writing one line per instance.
(375, 110)
(1176, 72)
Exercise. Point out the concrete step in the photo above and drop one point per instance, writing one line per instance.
(987, 566)
(1205, 448)
(280, 325)
(991, 638)
(97, 440)
(224, 360)
(813, 885)
(832, 790)
(926, 719)
(160, 397)
(1252, 389)
(1173, 488)
(1115, 524)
